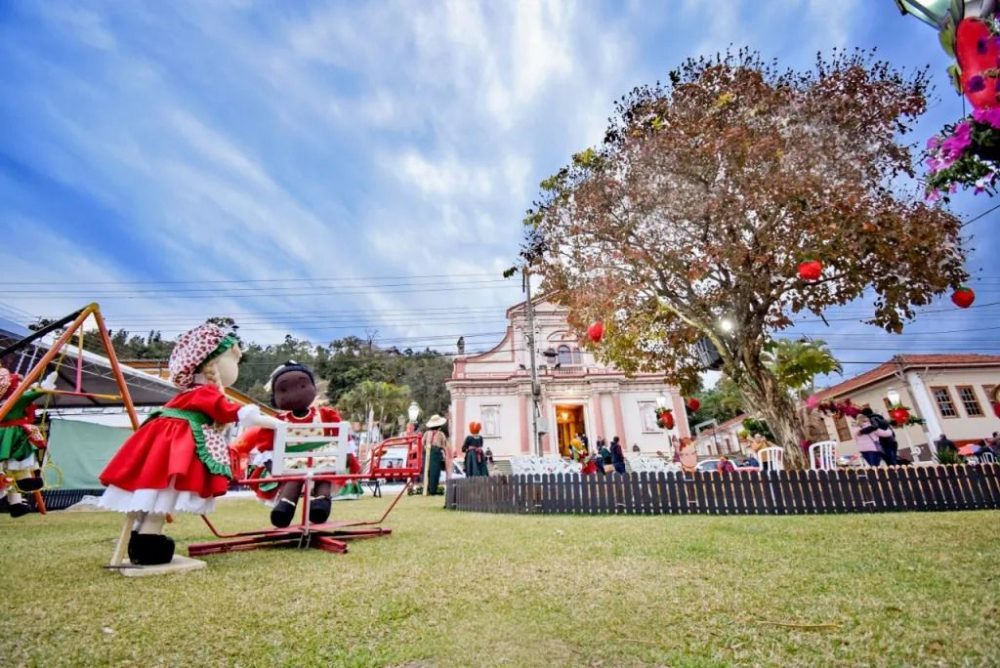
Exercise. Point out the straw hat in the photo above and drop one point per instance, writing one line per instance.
(436, 421)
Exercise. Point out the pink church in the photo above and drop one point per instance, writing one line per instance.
(578, 394)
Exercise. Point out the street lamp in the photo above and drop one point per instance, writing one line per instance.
(894, 400)
(893, 397)
(931, 12)
(413, 412)
(661, 403)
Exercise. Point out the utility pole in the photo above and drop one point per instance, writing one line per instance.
(536, 389)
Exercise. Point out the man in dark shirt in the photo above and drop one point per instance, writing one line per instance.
(944, 444)
(617, 455)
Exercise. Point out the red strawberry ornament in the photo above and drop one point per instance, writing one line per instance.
(899, 415)
(665, 420)
(963, 297)
(977, 53)
(811, 270)
(596, 332)
(693, 404)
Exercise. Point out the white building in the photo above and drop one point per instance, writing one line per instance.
(578, 395)
(952, 393)
(723, 439)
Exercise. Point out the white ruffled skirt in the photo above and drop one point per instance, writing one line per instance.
(155, 501)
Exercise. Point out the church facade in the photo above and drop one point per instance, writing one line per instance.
(578, 394)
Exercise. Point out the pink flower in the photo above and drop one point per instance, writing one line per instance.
(933, 196)
(933, 142)
(980, 186)
(989, 117)
(954, 146)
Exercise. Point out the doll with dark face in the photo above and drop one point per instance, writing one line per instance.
(293, 391)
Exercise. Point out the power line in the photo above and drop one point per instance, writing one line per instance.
(984, 213)
(257, 280)
(216, 295)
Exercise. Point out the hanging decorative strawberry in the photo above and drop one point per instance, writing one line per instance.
(996, 408)
(693, 404)
(596, 331)
(963, 297)
(810, 270)
(977, 53)
(899, 415)
(665, 418)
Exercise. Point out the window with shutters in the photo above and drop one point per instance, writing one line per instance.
(970, 402)
(944, 402)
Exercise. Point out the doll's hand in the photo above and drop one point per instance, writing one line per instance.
(50, 381)
(248, 415)
(268, 422)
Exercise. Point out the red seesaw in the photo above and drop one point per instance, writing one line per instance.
(329, 536)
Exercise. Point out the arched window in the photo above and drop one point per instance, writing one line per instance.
(565, 355)
(577, 356)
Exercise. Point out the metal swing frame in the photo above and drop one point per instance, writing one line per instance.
(73, 324)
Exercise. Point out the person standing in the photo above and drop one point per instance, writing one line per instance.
(435, 444)
(617, 455)
(605, 454)
(472, 448)
(867, 436)
(889, 445)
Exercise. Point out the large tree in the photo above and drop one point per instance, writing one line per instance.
(691, 219)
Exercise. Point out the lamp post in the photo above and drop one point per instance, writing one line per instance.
(893, 397)
(894, 400)
(662, 402)
(931, 12)
(413, 412)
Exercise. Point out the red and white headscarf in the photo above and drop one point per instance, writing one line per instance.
(196, 348)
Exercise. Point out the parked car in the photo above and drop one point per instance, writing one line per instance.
(712, 465)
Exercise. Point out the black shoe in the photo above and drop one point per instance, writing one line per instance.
(283, 513)
(19, 509)
(319, 509)
(31, 484)
(131, 546)
(150, 549)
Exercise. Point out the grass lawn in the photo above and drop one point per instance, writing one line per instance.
(464, 589)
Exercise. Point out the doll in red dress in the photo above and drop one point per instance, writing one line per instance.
(21, 442)
(178, 460)
(293, 391)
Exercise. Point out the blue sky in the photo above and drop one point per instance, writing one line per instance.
(295, 160)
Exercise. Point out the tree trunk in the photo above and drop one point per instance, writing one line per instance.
(764, 395)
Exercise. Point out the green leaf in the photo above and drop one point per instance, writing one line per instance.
(955, 74)
(947, 38)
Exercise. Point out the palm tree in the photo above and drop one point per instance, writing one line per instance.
(797, 363)
(387, 401)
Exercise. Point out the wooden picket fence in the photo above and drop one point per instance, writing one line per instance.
(740, 493)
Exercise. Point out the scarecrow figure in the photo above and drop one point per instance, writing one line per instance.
(475, 458)
(435, 443)
(293, 391)
(178, 460)
(21, 442)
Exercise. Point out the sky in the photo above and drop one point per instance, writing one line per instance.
(326, 169)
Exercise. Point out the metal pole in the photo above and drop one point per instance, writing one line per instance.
(536, 390)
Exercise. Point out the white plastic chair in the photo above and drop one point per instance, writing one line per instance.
(772, 459)
(823, 456)
(987, 458)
